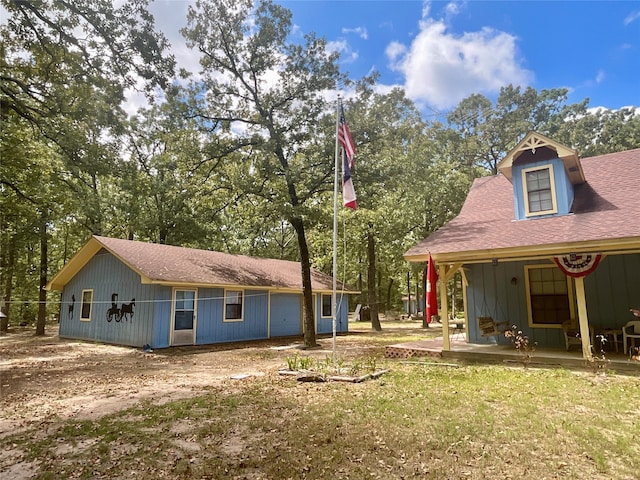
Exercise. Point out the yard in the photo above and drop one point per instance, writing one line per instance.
(80, 410)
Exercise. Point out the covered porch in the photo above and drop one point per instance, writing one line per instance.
(460, 351)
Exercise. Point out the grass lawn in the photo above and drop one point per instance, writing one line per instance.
(417, 421)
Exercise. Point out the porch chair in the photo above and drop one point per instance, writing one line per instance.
(571, 335)
(630, 330)
(488, 327)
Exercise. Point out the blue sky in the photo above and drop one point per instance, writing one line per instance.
(442, 52)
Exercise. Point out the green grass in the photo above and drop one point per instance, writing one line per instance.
(417, 421)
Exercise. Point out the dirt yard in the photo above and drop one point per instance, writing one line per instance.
(46, 377)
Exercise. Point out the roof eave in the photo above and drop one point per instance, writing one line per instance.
(74, 265)
(535, 140)
(529, 252)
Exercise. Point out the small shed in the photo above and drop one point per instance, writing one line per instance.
(136, 293)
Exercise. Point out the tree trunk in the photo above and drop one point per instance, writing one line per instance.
(8, 282)
(44, 259)
(307, 293)
(389, 294)
(371, 280)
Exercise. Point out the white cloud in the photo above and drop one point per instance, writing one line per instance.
(426, 8)
(395, 50)
(600, 76)
(360, 31)
(452, 9)
(441, 68)
(344, 49)
(632, 17)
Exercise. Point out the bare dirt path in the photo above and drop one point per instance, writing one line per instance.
(42, 378)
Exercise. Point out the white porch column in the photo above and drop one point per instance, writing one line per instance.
(582, 318)
(444, 311)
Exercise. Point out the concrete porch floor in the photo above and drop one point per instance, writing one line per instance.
(462, 351)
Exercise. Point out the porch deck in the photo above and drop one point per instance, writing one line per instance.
(462, 351)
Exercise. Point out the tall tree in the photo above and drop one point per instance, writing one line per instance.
(487, 132)
(64, 68)
(267, 94)
(385, 126)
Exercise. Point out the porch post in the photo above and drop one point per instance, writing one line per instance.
(444, 312)
(582, 318)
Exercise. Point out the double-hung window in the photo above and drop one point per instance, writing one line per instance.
(233, 301)
(539, 191)
(549, 295)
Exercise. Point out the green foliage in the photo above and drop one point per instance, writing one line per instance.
(306, 363)
(236, 161)
(293, 362)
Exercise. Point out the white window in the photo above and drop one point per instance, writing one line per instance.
(549, 296)
(233, 303)
(326, 305)
(539, 191)
(86, 305)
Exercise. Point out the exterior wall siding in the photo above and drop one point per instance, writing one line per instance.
(162, 317)
(610, 291)
(510, 306)
(114, 282)
(285, 314)
(324, 325)
(106, 276)
(211, 327)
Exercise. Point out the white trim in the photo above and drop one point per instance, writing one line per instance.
(525, 191)
(82, 318)
(224, 305)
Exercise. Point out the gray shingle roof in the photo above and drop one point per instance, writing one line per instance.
(606, 208)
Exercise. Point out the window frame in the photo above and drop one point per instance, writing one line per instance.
(569, 295)
(89, 291)
(552, 186)
(322, 315)
(225, 304)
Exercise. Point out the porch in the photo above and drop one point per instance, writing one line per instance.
(461, 351)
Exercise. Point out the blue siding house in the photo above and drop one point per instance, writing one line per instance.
(551, 243)
(134, 293)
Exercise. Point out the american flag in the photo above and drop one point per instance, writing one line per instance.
(349, 149)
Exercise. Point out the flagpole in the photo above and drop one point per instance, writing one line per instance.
(335, 235)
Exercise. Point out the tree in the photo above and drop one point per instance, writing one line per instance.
(597, 132)
(265, 95)
(64, 70)
(486, 133)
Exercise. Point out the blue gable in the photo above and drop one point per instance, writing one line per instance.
(543, 174)
(562, 189)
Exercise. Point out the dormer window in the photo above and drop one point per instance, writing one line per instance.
(539, 191)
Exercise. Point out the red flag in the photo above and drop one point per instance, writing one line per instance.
(349, 149)
(430, 294)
